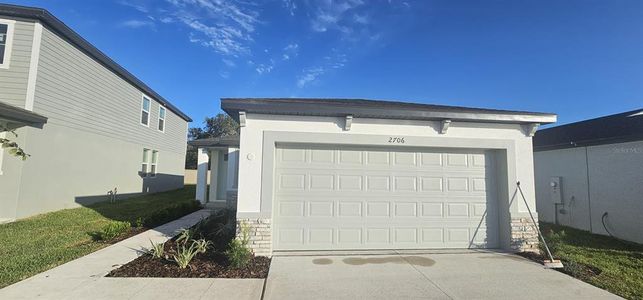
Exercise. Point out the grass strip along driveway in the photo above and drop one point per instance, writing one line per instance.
(30, 246)
(603, 261)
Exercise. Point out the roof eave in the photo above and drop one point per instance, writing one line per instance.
(310, 109)
(15, 117)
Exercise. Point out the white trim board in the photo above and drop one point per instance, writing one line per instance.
(33, 66)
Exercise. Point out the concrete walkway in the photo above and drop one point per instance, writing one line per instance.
(471, 275)
(83, 278)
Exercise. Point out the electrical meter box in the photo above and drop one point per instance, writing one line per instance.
(555, 189)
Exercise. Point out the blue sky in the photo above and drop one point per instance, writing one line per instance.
(579, 59)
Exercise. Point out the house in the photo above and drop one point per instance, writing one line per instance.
(90, 126)
(589, 175)
(338, 174)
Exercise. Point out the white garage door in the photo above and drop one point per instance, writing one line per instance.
(351, 198)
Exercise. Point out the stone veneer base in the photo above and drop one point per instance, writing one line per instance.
(260, 235)
(524, 236)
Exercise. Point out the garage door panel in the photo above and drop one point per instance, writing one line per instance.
(376, 199)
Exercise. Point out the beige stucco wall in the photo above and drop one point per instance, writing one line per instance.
(69, 167)
(615, 176)
(191, 175)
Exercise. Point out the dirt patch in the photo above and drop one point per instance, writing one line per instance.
(208, 265)
(413, 260)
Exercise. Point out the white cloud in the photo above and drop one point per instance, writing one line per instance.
(329, 14)
(290, 51)
(228, 62)
(137, 23)
(329, 63)
(290, 5)
(224, 74)
(138, 6)
(166, 20)
(265, 68)
(225, 26)
(309, 76)
(361, 19)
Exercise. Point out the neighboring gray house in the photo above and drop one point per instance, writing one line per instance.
(350, 174)
(104, 130)
(589, 175)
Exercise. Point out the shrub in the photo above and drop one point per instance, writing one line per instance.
(238, 253)
(219, 228)
(168, 214)
(112, 230)
(157, 249)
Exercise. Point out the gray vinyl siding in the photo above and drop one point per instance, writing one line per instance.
(93, 141)
(75, 91)
(13, 81)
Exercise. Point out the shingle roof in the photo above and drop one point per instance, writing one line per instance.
(225, 141)
(363, 108)
(75, 39)
(618, 128)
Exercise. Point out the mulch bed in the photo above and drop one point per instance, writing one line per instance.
(211, 264)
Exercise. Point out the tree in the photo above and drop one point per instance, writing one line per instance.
(12, 146)
(218, 126)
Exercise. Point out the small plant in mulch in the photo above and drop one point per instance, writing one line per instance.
(238, 252)
(207, 250)
(157, 250)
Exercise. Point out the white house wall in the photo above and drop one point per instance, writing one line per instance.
(250, 163)
(615, 186)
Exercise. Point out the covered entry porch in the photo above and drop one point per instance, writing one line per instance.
(217, 171)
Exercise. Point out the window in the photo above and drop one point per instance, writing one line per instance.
(6, 36)
(161, 119)
(155, 159)
(145, 111)
(150, 162)
(146, 162)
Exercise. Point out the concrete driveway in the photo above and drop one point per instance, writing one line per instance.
(471, 275)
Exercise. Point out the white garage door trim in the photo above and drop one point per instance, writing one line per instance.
(346, 197)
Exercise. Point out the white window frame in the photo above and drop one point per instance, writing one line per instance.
(154, 165)
(146, 163)
(9, 44)
(143, 98)
(159, 118)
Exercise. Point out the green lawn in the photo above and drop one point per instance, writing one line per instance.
(599, 260)
(39, 243)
